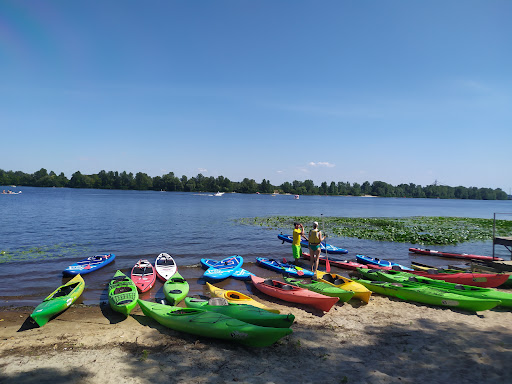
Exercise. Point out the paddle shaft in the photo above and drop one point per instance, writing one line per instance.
(327, 264)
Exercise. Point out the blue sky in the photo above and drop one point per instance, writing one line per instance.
(397, 91)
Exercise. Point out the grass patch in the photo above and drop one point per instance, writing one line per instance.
(414, 230)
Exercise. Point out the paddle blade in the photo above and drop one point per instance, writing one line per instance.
(327, 264)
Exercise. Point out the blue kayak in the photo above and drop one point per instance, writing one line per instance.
(330, 248)
(382, 263)
(284, 268)
(222, 269)
(240, 274)
(89, 264)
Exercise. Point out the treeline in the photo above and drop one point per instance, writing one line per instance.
(200, 183)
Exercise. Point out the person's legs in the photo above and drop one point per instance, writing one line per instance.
(317, 258)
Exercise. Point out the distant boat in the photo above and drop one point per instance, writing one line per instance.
(296, 197)
(218, 194)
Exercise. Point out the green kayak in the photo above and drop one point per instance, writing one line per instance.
(244, 312)
(175, 289)
(427, 295)
(321, 287)
(122, 293)
(210, 324)
(460, 289)
(58, 300)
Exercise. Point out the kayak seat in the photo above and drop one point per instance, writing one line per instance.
(119, 290)
(328, 278)
(175, 291)
(433, 271)
(124, 302)
(197, 300)
(269, 282)
(338, 282)
(218, 301)
(177, 280)
(287, 287)
(459, 286)
(413, 279)
(234, 296)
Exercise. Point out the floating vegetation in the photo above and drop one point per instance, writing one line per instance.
(414, 230)
(43, 252)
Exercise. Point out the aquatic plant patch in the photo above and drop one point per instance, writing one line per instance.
(414, 230)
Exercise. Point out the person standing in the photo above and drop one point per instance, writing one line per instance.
(315, 239)
(298, 235)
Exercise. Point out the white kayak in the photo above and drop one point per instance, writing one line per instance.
(165, 266)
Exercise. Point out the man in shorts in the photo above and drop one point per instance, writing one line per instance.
(298, 234)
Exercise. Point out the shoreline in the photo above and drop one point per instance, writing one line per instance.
(385, 341)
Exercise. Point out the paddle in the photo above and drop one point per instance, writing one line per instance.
(298, 269)
(327, 264)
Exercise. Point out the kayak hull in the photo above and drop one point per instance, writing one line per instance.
(210, 324)
(89, 264)
(122, 293)
(360, 291)
(294, 294)
(175, 289)
(165, 266)
(223, 269)
(143, 275)
(322, 288)
(58, 300)
(283, 268)
(244, 312)
(236, 297)
(431, 252)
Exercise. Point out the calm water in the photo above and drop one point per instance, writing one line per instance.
(43, 230)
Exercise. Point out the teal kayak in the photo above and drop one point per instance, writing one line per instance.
(460, 289)
(244, 312)
(175, 289)
(122, 293)
(427, 295)
(210, 324)
(321, 287)
(58, 300)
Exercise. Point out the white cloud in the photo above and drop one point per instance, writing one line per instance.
(202, 170)
(322, 164)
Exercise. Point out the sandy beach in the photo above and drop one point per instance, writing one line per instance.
(386, 341)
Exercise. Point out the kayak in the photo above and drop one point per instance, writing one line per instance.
(89, 264)
(484, 280)
(360, 291)
(432, 252)
(223, 269)
(122, 293)
(175, 289)
(244, 312)
(460, 289)
(427, 295)
(284, 268)
(345, 264)
(165, 266)
(240, 274)
(294, 294)
(322, 288)
(236, 297)
(330, 248)
(382, 263)
(143, 275)
(58, 300)
(210, 324)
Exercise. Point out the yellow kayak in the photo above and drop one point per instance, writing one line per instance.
(237, 297)
(360, 291)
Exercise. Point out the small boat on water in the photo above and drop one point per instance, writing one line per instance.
(89, 264)
(381, 263)
(218, 194)
(431, 252)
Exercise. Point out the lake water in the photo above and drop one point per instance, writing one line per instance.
(43, 230)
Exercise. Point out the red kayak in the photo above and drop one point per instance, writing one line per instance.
(143, 275)
(454, 255)
(345, 264)
(294, 294)
(485, 280)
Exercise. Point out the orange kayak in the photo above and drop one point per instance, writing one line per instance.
(291, 293)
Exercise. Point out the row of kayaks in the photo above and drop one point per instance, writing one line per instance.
(411, 287)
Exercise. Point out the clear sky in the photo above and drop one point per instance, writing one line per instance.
(396, 91)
